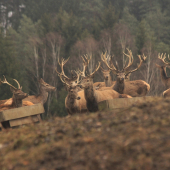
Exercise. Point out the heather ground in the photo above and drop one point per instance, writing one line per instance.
(136, 138)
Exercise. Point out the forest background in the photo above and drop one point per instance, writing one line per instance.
(34, 34)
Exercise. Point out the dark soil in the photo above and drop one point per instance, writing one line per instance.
(137, 138)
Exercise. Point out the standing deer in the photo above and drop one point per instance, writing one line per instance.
(93, 96)
(17, 98)
(133, 88)
(74, 101)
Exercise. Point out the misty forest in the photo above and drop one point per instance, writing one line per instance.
(36, 34)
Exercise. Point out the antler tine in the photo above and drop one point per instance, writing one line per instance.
(78, 76)
(104, 59)
(63, 80)
(97, 67)
(130, 56)
(19, 87)
(5, 82)
(139, 65)
(86, 61)
(162, 57)
(62, 63)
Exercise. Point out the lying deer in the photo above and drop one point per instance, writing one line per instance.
(17, 98)
(134, 88)
(74, 101)
(93, 96)
(43, 95)
(162, 68)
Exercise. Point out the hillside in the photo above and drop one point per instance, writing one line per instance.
(137, 138)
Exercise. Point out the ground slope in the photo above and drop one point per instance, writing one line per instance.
(137, 138)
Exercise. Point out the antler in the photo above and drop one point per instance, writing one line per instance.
(130, 56)
(141, 58)
(86, 62)
(104, 59)
(97, 67)
(162, 57)
(19, 87)
(5, 82)
(62, 63)
(60, 75)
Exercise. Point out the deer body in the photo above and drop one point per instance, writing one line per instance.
(75, 102)
(93, 97)
(42, 97)
(122, 84)
(17, 98)
(164, 77)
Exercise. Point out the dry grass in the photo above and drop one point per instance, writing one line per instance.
(137, 138)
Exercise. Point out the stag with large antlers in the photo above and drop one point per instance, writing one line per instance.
(71, 81)
(17, 98)
(162, 68)
(74, 101)
(132, 88)
(93, 96)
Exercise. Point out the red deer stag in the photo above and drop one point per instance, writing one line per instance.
(75, 101)
(71, 81)
(93, 96)
(164, 77)
(134, 88)
(17, 98)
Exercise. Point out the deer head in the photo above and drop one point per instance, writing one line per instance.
(72, 90)
(162, 58)
(87, 81)
(71, 81)
(18, 94)
(45, 86)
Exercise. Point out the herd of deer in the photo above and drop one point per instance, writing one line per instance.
(83, 94)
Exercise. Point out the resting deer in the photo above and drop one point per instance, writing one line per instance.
(164, 77)
(93, 96)
(43, 95)
(133, 88)
(17, 98)
(74, 101)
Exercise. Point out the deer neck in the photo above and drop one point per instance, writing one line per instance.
(108, 82)
(43, 95)
(91, 101)
(119, 87)
(164, 76)
(16, 102)
(71, 103)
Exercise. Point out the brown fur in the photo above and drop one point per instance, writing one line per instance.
(42, 97)
(164, 77)
(93, 97)
(166, 93)
(75, 101)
